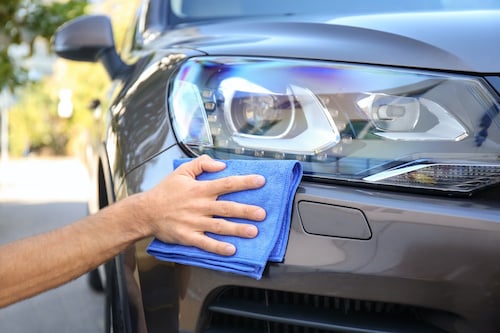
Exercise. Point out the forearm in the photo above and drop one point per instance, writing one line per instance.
(35, 264)
(39, 263)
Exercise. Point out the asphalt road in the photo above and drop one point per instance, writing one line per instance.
(37, 195)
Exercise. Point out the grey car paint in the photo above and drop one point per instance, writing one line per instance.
(441, 253)
(438, 254)
(424, 255)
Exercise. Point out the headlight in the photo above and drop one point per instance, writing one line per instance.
(347, 122)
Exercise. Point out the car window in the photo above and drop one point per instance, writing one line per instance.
(199, 9)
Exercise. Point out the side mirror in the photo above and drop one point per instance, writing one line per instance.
(90, 38)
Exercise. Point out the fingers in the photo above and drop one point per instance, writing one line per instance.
(195, 234)
(196, 203)
(222, 227)
(236, 183)
(237, 210)
(205, 163)
(200, 164)
(211, 245)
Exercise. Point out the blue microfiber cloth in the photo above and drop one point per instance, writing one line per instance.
(276, 197)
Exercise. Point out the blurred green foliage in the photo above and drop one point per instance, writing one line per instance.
(21, 22)
(35, 126)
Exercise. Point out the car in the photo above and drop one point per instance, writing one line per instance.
(391, 107)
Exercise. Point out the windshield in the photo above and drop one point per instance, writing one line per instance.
(193, 10)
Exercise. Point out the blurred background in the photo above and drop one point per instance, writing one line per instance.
(47, 104)
(49, 112)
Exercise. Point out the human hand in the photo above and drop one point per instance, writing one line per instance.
(181, 208)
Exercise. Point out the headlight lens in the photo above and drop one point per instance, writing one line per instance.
(348, 122)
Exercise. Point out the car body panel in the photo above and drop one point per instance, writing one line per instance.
(436, 256)
(424, 255)
(434, 266)
(416, 40)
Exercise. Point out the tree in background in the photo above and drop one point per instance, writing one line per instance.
(34, 121)
(22, 22)
(26, 27)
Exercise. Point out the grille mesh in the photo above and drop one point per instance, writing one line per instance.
(243, 309)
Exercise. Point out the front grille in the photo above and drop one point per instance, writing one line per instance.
(251, 310)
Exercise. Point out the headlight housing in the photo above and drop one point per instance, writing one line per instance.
(344, 122)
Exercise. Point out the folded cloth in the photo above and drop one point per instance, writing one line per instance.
(276, 197)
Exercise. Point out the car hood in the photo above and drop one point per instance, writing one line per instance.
(452, 41)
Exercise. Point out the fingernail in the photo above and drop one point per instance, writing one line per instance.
(251, 231)
(220, 163)
(259, 214)
(229, 249)
(259, 180)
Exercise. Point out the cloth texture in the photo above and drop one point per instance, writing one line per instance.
(252, 255)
